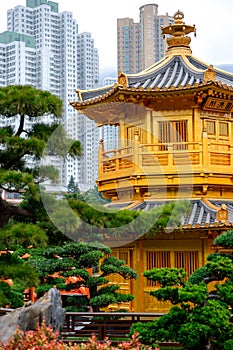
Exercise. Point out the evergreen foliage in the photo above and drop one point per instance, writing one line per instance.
(17, 145)
(21, 275)
(72, 186)
(201, 315)
(55, 264)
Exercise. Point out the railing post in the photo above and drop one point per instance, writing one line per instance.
(102, 331)
(117, 157)
(170, 155)
(100, 157)
(205, 149)
(136, 150)
(231, 155)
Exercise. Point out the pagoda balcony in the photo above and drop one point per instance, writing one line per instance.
(168, 158)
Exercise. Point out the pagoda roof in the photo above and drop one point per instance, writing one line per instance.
(172, 72)
(175, 74)
(203, 213)
(178, 72)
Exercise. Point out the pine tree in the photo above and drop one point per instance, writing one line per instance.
(16, 145)
(72, 186)
(55, 265)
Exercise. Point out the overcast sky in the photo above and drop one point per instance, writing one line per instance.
(213, 19)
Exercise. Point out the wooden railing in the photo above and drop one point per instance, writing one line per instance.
(79, 327)
(143, 156)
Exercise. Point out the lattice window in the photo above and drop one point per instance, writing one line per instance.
(125, 287)
(157, 259)
(210, 127)
(173, 132)
(130, 132)
(122, 255)
(188, 260)
(223, 129)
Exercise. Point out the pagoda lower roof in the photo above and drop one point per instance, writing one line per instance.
(202, 213)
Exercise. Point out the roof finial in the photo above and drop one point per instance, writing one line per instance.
(177, 32)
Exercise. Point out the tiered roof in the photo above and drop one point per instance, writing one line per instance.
(178, 71)
(203, 213)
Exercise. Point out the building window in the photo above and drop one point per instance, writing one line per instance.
(131, 133)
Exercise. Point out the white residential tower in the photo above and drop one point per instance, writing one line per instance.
(43, 48)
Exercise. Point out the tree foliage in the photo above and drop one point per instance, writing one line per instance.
(20, 274)
(19, 144)
(55, 264)
(24, 234)
(201, 315)
(72, 186)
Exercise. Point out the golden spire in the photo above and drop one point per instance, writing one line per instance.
(177, 34)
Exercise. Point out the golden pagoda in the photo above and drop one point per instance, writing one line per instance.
(175, 143)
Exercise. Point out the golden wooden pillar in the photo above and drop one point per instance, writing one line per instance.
(205, 150)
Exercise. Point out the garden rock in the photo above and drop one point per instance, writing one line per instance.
(48, 309)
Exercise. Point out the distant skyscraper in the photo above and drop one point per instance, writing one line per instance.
(110, 136)
(141, 44)
(109, 81)
(43, 48)
(87, 131)
(110, 133)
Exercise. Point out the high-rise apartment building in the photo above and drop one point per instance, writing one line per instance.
(109, 81)
(110, 133)
(43, 48)
(141, 44)
(87, 131)
(110, 136)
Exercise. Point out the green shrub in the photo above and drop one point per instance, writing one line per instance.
(228, 345)
(11, 295)
(45, 338)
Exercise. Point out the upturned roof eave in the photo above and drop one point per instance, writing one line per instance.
(202, 215)
(128, 82)
(116, 94)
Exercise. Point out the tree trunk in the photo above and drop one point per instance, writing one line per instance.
(21, 125)
(8, 210)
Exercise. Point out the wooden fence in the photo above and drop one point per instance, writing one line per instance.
(79, 327)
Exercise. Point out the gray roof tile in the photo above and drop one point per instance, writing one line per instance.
(176, 71)
(201, 215)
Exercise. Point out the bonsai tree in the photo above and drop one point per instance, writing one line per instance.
(70, 268)
(16, 275)
(201, 315)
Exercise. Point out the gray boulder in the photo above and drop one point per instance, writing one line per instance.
(48, 308)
